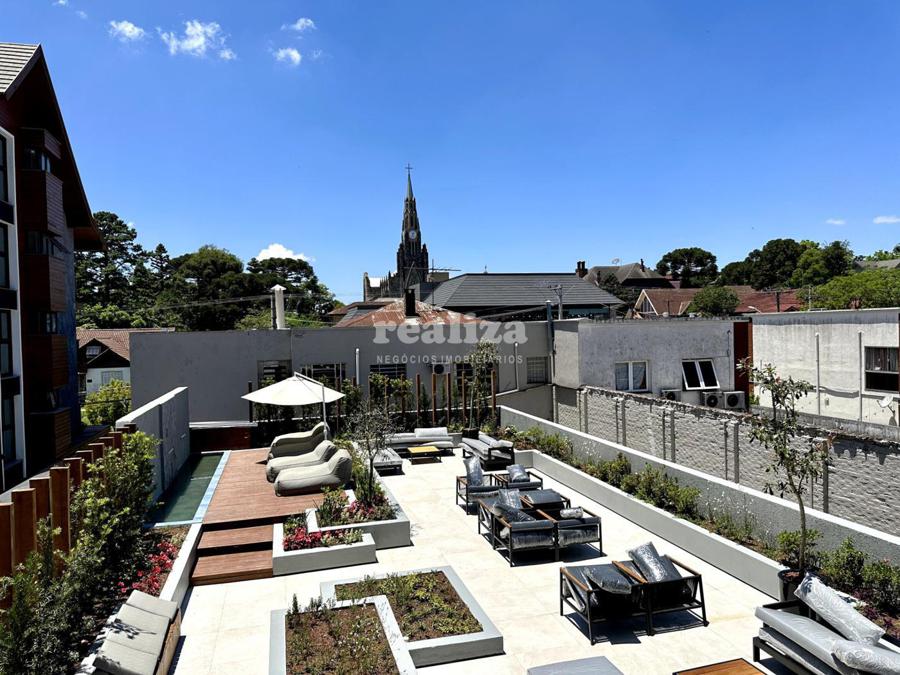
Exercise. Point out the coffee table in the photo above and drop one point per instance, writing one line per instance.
(733, 667)
(544, 499)
(424, 453)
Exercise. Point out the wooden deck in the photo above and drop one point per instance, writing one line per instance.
(236, 540)
(244, 496)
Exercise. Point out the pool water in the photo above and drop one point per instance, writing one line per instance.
(180, 502)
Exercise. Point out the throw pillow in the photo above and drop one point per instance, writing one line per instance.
(836, 611)
(866, 658)
(607, 578)
(430, 432)
(517, 473)
(652, 565)
(474, 472)
(511, 499)
(575, 512)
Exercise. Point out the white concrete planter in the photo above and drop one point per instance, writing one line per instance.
(277, 636)
(487, 642)
(179, 580)
(386, 533)
(322, 558)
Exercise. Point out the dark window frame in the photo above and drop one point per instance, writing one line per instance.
(879, 376)
(6, 343)
(534, 361)
(47, 323)
(8, 428)
(4, 170)
(392, 371)
(4, 257)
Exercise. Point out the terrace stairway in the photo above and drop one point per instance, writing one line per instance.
(233, 554)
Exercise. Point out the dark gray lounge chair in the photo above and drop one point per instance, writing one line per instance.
(474, 485)
(493, 453)
(504, 522)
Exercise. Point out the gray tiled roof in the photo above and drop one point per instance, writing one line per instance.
(14, 61)
(517, 290)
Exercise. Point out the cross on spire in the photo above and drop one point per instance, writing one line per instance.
(409, 191)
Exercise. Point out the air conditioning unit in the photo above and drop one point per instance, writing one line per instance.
(734, 400)
(671, 394)
(712, 399)
(439, 367)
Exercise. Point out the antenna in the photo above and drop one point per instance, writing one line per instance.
(616, 261)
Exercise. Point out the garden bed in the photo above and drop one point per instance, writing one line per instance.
(439, 618)
(321, 552)
(388, 533)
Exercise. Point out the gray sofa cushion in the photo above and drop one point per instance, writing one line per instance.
(517, 473)
(608, 578)
(431, 432)
(796, 652)
(304, 479)
(807, 633)
(652, 565)
(575, 512)
(474, 472)
(139, 630)
(152, 604)
(321, 453)
(492, 442)
(867, 658)
(119, 659)
(837, 612)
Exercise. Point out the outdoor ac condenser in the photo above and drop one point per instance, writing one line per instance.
(712, 399)
(671, 394)
(735, 400)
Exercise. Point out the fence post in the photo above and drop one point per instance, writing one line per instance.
(117, 437)
(59, 506)
(97, 450)
(433, 399)
(6, 539)
(493, 394)
(76, 470)
(418, 398)
(41, 487)
(25, 531)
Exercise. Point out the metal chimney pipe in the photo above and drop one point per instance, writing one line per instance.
(279, 290)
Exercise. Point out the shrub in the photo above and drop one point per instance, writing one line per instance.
(336, 509)
(788, 548)
(107, 404)
(881, 585)
(843, 567)
(297, 538)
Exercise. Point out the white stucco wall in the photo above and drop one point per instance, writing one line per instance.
(788, 341)
(94, 377)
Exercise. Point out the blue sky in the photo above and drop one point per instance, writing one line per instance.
(541, 133)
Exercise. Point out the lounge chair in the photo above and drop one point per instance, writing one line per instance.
(493, 453)
(322, 453)
(336, 472)
(299, 442)
(574, 527)
(819, 632)
(622, 590)
(516, 477)
(438, 437)
(508, 526)
(474, 485)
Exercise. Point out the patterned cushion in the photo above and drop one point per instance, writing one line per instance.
(867, 658)
(517, 473)
(607, 578)
(511, 499)
(576, 512)
(836, 612)
(474, 472)
(652, 565)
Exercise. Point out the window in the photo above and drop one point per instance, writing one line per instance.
(4, 257)
(270, 372)
(36, 160)
(107, 376)
(392, 371)
(631, 376)
(92, 351)
(332, 374)
(8, 428)
(881, 369)
(536, 370)
(647, 306)
(6, 367)
(700, 374)
(4, 171)
(48, 323)
(44, 243)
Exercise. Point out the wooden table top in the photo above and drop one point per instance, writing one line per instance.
(734, 667)
(424, 450)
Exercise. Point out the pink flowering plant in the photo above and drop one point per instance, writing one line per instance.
(150, 579)
(298, 538)
(336, 509)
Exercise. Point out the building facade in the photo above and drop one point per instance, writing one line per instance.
(45, 218)
(412, 256)
(104, 355)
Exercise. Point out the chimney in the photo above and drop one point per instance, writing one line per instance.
(643, 269)
(409, 303)
(279, 290)
(581, 269)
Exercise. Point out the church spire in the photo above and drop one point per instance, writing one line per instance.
(409, 191)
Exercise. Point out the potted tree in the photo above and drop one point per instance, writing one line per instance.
(483, 359)
(370, 428)
(797, 461)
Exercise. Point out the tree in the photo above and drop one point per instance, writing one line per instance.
(862, 290)
(370, 427)
(774, 264)
(715, 301)
(107, 404)
(795, 463)
(628, 295)
(310, 298)
(881, 254)
(261, 319)
(694, 266)
(735, 274)
(483, 359)
(818, 265)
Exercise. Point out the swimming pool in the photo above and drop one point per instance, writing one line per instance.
(187, 497)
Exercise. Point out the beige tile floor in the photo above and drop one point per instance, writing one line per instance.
(226, 626)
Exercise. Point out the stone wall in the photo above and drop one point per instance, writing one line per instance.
(862, 484)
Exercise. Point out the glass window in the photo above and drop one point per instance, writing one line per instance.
(393, 371)
(4, 171)
(881, 369)
(631, 376)
(44, 243)
(4, 257)
(92, 351)
(270, 372)
(108, 376)
(700, 374)
(5, 343)
(331, 374)
(536, 369)
(47, 323)
(8, 415)
(36, 160)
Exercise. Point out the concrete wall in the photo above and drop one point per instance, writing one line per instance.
(768, 515)
(789, 341)
(536, 401)
(168, 419)
(587, 351)
(863, 483)
(216, 366)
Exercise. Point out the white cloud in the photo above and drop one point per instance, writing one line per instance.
(886, 220)
(316, 54)
(125, 31)
(198, 39)
(301, 25)
(61, 3)
(835, 221)
(281, 251)
(288, 55)
(81, 13)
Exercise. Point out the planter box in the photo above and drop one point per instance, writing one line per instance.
(743, 563)
(179, 580)
(386, 533)
(278, 632)
(322, 558)
(487, 642)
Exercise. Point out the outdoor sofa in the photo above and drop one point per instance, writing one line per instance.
(438, 437)
(299, 442)
(820, 633)
(321, 454)
(336, 472)
(646, 586)
(493, 453)
(139, 640)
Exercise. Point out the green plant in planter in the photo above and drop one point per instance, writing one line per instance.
(796, 551)
(843, 567)
(370, 429)
(796, 462)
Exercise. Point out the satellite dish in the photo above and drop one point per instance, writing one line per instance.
(886, 402)
(616, 261)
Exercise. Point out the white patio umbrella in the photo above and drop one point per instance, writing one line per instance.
(296, 390)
